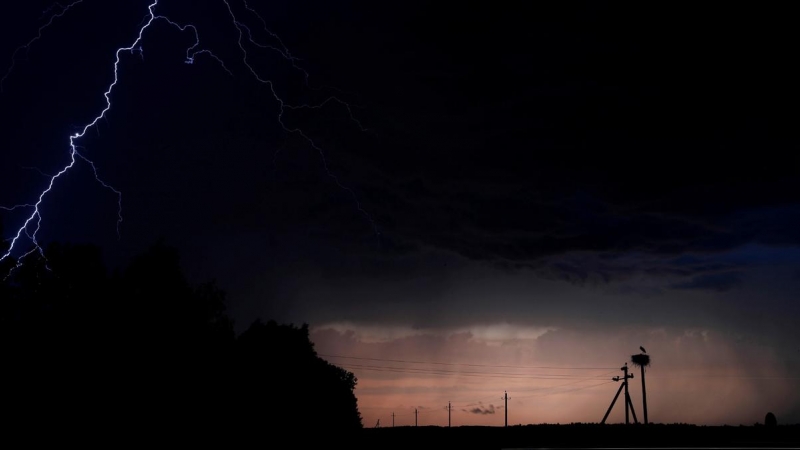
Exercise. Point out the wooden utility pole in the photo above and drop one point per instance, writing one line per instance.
(392, 419)
(416, 416)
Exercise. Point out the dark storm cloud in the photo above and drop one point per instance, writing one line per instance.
(515, 233)
(538, 137)
(719, 282)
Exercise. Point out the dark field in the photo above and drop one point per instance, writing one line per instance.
(581, 436)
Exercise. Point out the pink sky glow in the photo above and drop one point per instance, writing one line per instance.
(554, 375)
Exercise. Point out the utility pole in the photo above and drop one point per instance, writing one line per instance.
(505, 397)
(644, 397)
(448, 414)
(642, 360)
(416, 416)
(392, 419)
(627, 396)
(628, 403)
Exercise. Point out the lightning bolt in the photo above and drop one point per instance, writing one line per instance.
(286, 54)
(284, 106)
(34, 219)
(284, 51)
(26, 47)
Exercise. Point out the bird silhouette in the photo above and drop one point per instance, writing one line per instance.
(642, 349)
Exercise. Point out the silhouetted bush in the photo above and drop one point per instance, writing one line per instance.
(770, 420)
(142, 352)
(281, 371)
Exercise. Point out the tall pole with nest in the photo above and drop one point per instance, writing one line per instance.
(642, 360)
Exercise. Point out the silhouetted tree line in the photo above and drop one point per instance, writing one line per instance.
(142, 351)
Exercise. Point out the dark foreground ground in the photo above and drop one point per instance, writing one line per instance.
(118, 432)
(579, 436)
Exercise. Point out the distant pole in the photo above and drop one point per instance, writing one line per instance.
(416, 416)
(505, 397)
(392, 419)
(448, 414)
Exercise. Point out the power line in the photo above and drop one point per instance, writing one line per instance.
(465, 364)
(545, 388)
(548, 368)
(425, 410)
(747, 377)
(508, 375)
(559, 385)
(549, 388)
(523, 376)
(567, 391)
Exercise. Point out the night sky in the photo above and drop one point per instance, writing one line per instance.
(497, 185)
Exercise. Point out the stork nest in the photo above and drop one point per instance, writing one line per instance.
(640, 360)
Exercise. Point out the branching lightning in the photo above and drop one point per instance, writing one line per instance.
(32, 223)
(241, 28)
(35, 217)
(25, 47)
